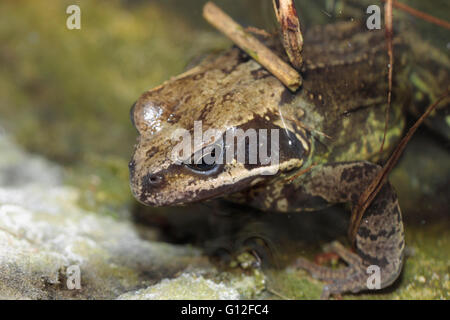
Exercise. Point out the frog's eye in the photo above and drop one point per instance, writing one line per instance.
(133, 107)
(202, 166)
(207, 160)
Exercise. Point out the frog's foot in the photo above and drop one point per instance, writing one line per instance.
(351, 278)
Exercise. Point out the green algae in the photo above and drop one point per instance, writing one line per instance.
(104, 185)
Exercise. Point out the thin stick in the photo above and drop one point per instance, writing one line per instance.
(420, 14)
(389, 35)
(275, 293)
(258, 51)
(302, 172)
(374, 188)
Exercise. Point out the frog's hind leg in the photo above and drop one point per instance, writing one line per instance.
(380, 238)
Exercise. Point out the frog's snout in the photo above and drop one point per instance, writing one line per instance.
(150, 187)
(152, 180)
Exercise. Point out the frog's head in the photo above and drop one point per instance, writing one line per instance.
(227, 96)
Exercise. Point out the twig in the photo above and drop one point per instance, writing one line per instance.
(302, 172)
(374, 188)
(420, 14)
(275, 293)
(292, 37)
(389, 35)
(258, 51)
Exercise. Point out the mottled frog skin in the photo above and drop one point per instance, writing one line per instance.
(332, 126)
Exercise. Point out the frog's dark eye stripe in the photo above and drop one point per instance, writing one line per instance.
(132, 114)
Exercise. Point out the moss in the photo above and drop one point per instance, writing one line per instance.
(249, 286)
(104, 185)
(290, 284)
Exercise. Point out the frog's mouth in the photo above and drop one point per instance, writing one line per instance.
(158, 190)
(167, 197)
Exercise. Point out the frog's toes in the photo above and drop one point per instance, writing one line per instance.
(348, 279)
(353, 283)
(322, 273)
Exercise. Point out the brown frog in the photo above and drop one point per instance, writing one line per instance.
(330, 133)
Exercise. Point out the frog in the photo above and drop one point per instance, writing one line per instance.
(330, 132)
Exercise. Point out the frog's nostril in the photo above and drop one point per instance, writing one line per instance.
(132, 167)
(153, 180)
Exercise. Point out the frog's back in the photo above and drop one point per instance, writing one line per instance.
(345, 89)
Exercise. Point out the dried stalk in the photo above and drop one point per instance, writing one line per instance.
(292, 37)
(389, 36)
(257, 50)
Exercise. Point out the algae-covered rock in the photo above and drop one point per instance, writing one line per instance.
(186, 286)
(44, 233)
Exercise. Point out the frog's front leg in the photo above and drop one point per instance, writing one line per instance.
(380, 238)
